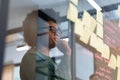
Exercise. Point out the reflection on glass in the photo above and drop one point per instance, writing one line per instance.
(42, 33)
(84, 63)
(106, 56)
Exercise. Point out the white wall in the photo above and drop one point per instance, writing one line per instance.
(11, 55)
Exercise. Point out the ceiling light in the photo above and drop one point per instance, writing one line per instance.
(22, 47)
(95, 5)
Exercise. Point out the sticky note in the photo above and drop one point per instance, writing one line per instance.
(112, 62)
(106, 51)
(93, 40)
(79, 27)
(99, 30)
(99, 17)
(72, 13)
(86, 19)
(85, 38)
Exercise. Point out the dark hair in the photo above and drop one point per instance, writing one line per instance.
(93, 75)
(48, 15)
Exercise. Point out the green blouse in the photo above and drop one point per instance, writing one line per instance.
(37, 66)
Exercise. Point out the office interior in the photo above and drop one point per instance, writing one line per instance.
(93, 34)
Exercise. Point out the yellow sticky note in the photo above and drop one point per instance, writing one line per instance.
(118, 74)
(86, 19)
(99, 30)
(119, 23)
(112, 63)
(118, 61)
(78, 27)
(86, 35)
(106, 51)
(119, 10)
(72, 13)
(99, 17)
(75, 2)
(93, 40)
(92, 24)
(99, 45)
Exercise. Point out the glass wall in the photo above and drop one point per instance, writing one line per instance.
(63, 40)
(97, 43)
(38, 40)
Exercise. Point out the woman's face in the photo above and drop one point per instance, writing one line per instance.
(50, 35)
(54, 34)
